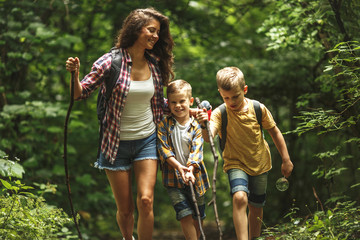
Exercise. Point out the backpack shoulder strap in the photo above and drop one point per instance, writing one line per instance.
(110, 81)
(258, 112)
(223, 126)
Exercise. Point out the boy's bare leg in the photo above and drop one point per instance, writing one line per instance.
(240, 201)
(197, 227)
(120, 182)
(188, 228)
(255, 220)
(145, 176)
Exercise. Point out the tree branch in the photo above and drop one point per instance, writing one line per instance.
(216, 162)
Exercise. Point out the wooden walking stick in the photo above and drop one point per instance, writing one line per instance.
(196, 209)
(65, 153)
(216, 162)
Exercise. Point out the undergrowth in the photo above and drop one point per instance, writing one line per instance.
(341, 222)
(24, 215)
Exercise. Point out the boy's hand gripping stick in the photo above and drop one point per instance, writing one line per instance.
(216, 161)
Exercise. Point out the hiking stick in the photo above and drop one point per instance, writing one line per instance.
(65, 152)
(196, 209)
(216, 161)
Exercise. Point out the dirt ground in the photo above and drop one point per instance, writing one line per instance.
(211, 233)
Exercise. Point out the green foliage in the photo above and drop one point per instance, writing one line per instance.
(10, 168)
(283, 48)
(24, 215)
(296, 22)
(341, 222)
(343, 85)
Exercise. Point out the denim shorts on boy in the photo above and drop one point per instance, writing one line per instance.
(183, 204)
(129, 152)
(254, 186)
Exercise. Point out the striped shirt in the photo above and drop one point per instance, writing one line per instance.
(94, 79)
(171, 177)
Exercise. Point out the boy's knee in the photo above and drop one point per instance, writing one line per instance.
(240, 199)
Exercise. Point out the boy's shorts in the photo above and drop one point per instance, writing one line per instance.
(129, 152)
(183, 204)
(254, 186)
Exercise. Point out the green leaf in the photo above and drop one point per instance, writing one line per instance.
(6, 184)
(11, 169)
(86, 180)
(54, 129)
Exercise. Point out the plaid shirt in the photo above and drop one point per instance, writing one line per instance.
(94, 79)
(171, 177)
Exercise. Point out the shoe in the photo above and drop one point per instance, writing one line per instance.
(132, 238)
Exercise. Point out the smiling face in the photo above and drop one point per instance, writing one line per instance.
(149, 35)
(179, 104)
(234, 98)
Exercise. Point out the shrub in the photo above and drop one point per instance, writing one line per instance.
(24, 215)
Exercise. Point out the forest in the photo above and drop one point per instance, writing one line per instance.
(301, 58)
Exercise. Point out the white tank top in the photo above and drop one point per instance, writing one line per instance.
(137, 118)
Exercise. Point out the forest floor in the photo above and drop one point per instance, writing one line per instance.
(211, 233)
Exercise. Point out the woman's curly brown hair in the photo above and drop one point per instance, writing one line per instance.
(131, 29)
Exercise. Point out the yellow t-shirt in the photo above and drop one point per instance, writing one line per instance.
(245, 148)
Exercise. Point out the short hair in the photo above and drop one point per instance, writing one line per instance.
(179, 86)
(229, 78)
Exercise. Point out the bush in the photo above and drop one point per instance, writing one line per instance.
(24, 215)
(341, 222)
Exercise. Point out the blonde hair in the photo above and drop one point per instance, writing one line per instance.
(229, 78)
(179, 86)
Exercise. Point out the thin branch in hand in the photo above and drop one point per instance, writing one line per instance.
(216, 162)
(196, 209)
(65, 154)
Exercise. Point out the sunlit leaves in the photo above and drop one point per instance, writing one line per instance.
(10, 168)
(298, 23)
(340, 222)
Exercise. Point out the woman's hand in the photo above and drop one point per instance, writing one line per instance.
(73, 65)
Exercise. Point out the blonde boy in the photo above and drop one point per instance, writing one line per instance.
(246, 155)
(180, 147)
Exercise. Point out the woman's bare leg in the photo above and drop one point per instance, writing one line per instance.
(145, 176)
(120, 182)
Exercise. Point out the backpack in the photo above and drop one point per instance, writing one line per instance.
(109, 84)
(222, 108)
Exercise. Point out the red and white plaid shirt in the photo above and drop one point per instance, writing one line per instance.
(94, 79)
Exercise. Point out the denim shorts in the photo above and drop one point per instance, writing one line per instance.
(129, 152)
(254, 186)
(183, 204)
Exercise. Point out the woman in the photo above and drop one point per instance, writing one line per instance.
(135, 107)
